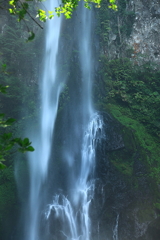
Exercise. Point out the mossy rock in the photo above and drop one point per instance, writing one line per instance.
(138, 139)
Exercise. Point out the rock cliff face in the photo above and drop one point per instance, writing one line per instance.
(134, 31)
(126, 204)
(123, 204)
(145, 35)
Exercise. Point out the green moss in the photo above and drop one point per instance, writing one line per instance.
(132, 96)
(147, 144)
(125, 168)
(147, 141)
(157, 205)
(136, 88)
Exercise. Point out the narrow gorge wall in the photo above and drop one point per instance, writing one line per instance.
(128, 89)
(133, 31)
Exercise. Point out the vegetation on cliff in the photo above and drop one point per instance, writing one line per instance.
(19, 63)
(131, 94)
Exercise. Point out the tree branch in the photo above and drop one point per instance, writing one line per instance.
(30, 15)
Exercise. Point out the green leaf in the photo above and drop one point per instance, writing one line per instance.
(2, 116)
(26, 142)
(18, 141)
(11, 11)
(9, 146)
(3, 88)
(4, 66)
(31, 37)
(22, 150)
(25, 5)
(6, 136)
(10, 121)
(2, 159)
(12, 2)
(42, 15)
(155, 93)
(30, 149)
(2, 166)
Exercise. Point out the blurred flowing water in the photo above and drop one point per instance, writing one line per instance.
(115, 230)
(73, 211)
(67, 214)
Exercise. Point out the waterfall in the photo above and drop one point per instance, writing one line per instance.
(73, 213)
(67, 215)
(115, 230)
(42, 140)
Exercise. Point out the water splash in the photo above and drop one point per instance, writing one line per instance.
(73, 209)
(115, 230)
(74, 212)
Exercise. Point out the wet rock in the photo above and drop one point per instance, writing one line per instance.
(144, 34)
(122, 200)
(112, 139)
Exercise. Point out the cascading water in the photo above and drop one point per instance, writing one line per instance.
(50, 90)
(74, 212)
(115, 230)
(70, 210)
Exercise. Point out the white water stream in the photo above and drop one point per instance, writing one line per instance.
(74, 212)
(50, 91)
(71, 210)
(115, 230)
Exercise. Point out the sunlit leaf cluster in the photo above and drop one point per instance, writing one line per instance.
(21, 8)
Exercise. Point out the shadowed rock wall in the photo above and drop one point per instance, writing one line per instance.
(123, 202)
